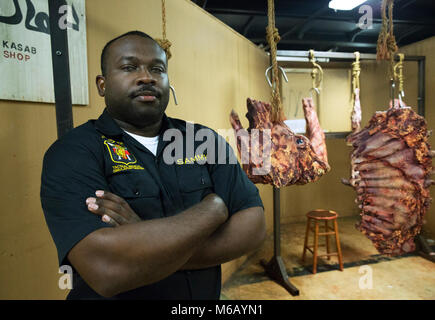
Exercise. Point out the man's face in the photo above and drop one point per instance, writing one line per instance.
(136, 85)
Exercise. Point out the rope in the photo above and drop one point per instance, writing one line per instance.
(386, 46)
(316, 78)
(356, 71)
(164, 42)
(317, 70)
(399, 74)
(273, 38)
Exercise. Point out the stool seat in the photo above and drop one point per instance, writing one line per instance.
(320, 214)
(316, 216)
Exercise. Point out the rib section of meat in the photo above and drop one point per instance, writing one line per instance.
(391, 164)
(272, 154)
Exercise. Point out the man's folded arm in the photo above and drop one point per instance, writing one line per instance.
(243, 233)
(115, 260)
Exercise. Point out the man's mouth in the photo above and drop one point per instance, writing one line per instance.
(145, 96)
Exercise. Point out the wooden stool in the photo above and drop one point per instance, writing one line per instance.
(317, 216)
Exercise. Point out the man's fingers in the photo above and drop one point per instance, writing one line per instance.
(106, 213)
(115, 206)
(112, 205)
(114, 216)
(109, 220)
(110, 196)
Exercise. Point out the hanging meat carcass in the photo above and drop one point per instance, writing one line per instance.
(273, 154)
(390, 169)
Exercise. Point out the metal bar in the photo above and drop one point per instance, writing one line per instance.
(421, 86)
(61, 72)
(324, 54)
(337, 55)
(321, 42)
(276, 221)
(276, 268)
(300, 59)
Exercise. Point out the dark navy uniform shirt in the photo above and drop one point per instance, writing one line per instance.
(99, 155)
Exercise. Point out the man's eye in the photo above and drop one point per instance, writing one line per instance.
(158, 69)
(128, 68)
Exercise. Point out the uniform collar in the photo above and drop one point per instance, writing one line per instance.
(109, 127)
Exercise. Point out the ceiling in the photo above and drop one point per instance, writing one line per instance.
(311, 24)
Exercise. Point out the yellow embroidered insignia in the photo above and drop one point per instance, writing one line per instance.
(120, 155)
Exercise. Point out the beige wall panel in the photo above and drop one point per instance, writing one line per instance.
(326, 193)
(335, 101)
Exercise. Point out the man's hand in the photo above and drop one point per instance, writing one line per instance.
(113, 209)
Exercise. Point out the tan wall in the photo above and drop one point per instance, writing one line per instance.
(334, 98)
(326, 193)
(213, 70)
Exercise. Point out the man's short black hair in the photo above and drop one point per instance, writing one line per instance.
(130, 33)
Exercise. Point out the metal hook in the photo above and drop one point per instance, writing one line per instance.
(173, 93)
(317, 90)
(267, 76)
(316, 73)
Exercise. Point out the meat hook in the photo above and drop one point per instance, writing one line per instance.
(175, 96)
(267, 76)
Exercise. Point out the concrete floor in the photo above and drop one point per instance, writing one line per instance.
(366, 275)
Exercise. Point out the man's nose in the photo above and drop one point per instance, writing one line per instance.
(145, 77)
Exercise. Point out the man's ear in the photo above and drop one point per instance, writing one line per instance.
(101, 85)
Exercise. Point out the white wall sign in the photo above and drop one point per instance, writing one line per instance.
(25, 58)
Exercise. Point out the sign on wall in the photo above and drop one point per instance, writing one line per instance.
(25, 58)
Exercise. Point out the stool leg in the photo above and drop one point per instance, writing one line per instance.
(306, 239)
(316, 242)
(337, 240)
(327, 240)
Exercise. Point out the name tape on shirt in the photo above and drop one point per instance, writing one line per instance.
(198, 158)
